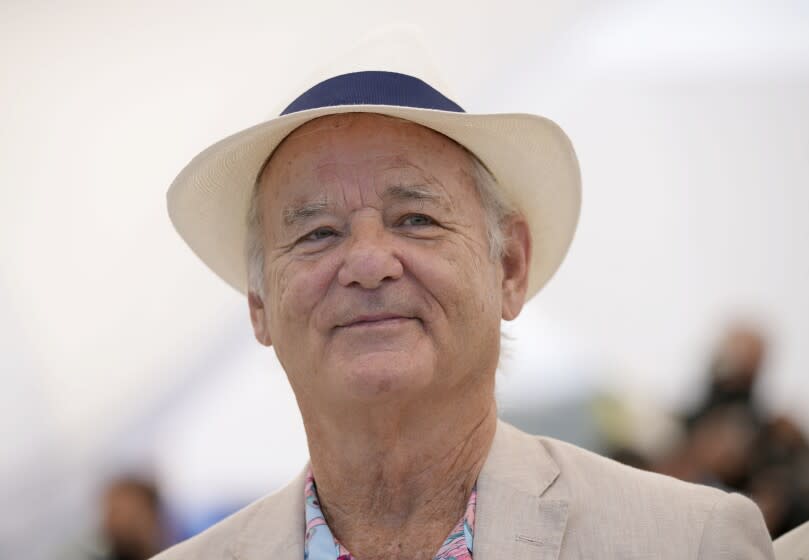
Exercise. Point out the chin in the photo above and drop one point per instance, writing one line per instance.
(382, 377)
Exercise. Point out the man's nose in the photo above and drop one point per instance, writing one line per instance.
(370, 259)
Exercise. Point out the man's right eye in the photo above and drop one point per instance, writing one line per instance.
(318, 234)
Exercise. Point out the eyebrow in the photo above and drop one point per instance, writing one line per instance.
(415, 192)
(296, 213)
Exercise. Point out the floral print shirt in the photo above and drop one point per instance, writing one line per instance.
(320, 544)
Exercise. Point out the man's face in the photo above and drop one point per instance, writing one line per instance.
(378, 281)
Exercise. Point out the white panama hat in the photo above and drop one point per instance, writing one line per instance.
(530, 156)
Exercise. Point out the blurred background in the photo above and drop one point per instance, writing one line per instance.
(136, 407)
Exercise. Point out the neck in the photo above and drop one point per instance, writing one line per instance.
(394, 480)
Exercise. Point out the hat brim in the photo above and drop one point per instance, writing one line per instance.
(531, 158)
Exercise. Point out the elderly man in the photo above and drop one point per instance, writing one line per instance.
(387, 235)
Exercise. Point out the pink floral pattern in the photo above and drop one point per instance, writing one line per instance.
(320, 544)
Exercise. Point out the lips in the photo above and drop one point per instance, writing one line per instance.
(377, 319)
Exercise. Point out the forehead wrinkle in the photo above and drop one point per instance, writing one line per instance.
(408, 180)
(329, 164)
(398, 161)
(302, 210)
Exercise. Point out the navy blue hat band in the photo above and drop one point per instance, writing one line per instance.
(374, 87)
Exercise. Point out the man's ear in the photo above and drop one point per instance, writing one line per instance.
(516, 261)
(258, 316)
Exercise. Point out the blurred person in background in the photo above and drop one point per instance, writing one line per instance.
(733, 373)
(388, 233)
(731, 444)
(734, 444)
(130, 526)
(779, 475)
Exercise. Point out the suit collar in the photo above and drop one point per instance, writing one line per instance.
(276, 528)
(513, 520)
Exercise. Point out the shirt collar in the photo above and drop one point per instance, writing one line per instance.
(320, 544)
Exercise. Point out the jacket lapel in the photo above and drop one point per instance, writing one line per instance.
(276, 529)
(512, 519)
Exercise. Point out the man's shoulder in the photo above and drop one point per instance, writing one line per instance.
(613, 510)
(587, 474)
(650, 509)
(575, 473)
(275, 520)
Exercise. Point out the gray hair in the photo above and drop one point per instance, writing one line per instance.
(496, 205)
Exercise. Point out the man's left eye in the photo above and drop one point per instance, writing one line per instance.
(417, 220)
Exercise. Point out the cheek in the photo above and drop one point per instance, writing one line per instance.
(478, 272)
(298, 287)
(462, 284)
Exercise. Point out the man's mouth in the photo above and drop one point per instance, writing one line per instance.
(375, 320)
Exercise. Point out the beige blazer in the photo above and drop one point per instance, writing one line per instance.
(542, 499)
(794, 545)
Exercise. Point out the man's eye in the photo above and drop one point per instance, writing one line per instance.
(319, 234)
(417, 220)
